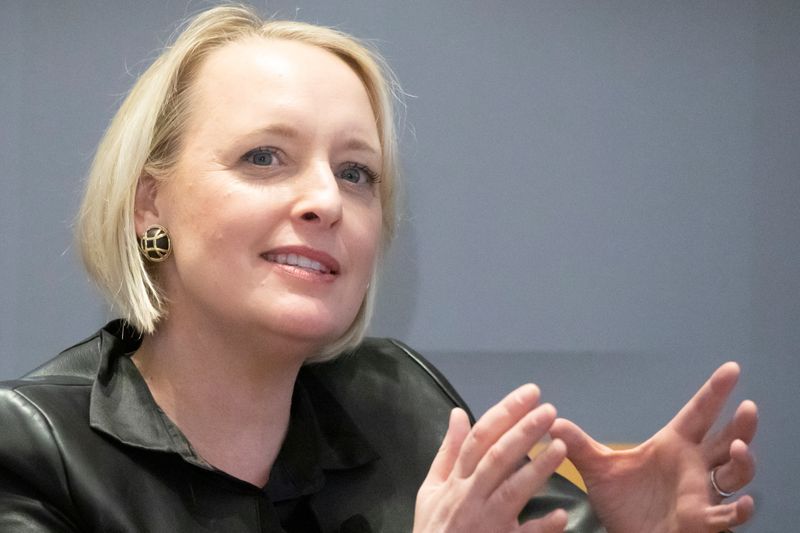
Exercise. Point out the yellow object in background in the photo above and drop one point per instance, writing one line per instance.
(568, 470)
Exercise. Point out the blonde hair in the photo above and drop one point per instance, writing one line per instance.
(144, 138)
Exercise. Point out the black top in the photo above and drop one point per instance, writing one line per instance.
(84, 447)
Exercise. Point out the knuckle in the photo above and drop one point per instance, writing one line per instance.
(423, 491)
(480, 434)
(746, 474)
(495, 455)
(517, 402)
(506, 494)
(530, 425)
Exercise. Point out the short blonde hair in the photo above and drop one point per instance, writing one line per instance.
(144, 138)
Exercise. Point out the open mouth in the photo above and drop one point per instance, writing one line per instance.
(299, 261)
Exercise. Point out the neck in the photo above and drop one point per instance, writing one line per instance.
(229, 395)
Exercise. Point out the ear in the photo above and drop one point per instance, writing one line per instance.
(145, 212)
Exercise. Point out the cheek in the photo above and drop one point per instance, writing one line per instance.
(206, 206)
(369, 236)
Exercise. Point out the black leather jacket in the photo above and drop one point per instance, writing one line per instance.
(84, 447)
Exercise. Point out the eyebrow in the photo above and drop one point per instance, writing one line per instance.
(280, 129)
(359, 145)
(290, 132)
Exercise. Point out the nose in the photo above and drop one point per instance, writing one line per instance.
(319, 200)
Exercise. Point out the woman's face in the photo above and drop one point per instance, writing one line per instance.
(273, 206)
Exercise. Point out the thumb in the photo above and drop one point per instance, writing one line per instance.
(445, 459)
(582, 449)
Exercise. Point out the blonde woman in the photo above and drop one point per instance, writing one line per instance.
(234, 216)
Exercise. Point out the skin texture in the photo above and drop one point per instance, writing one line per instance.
(305, 108)
(663, 484)
(276, 158)
(476, 482)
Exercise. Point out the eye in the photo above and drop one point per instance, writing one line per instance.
(262, 157)
(358, 173)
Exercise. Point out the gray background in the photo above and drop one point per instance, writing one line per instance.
(602, 197)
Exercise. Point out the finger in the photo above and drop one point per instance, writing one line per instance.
(738, 471)
(504, 457)
(583, 450)
(552, 522)
(743, 427)
(696, 417)
(728, 515)
(457, 430)
(494, 423)
(512, 495)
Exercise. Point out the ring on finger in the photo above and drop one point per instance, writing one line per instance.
(722, 493)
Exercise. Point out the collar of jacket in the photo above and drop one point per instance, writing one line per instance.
(321, 436)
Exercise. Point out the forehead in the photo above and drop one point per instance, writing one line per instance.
(256, 79)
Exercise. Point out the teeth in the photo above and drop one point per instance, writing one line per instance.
(297, 260)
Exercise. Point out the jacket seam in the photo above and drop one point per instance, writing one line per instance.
(87, 340)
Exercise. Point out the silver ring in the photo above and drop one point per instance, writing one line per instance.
(722, 493)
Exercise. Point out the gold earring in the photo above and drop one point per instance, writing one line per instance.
(155, 244)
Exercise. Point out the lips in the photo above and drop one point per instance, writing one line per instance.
(305, 258)
(297, 260)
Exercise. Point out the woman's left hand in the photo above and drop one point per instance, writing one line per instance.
(664, 484)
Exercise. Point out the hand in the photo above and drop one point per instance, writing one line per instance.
(480, 479)
(663, 485)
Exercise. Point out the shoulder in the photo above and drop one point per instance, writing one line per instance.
(43, 399)
(49, 453)
(36, 403)
(82, 359)
(51, 404)
(34, 408)
(33, 476)
(38, 414)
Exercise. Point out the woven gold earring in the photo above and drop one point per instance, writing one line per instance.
(155, 244)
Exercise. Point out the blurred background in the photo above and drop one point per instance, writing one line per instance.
(601, 197)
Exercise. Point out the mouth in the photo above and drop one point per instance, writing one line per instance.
(316, 262)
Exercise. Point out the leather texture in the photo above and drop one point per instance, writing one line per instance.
(379, 415)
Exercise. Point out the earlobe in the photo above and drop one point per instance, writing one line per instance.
(145, 212)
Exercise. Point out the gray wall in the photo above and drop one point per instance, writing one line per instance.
(602, 197)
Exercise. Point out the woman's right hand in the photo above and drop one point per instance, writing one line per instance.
(480, 479)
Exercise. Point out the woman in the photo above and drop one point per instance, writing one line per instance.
(235, 213)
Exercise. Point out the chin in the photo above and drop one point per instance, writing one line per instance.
(310, 321)
(312, 330)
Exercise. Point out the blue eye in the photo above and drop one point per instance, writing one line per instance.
(351, 174)
(262, 157)
(357, 173)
